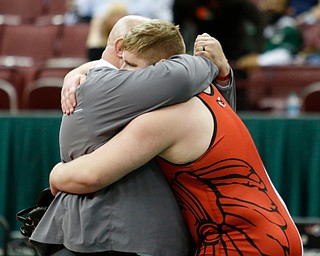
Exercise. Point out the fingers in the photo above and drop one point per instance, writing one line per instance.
(205, 42)
(199, 50)
(63, 100)
(82, 78)
(68, 94)
(203, 36)
(204, 54)
(208, 46)
(68, 100)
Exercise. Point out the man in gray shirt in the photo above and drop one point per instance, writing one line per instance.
(138, 214)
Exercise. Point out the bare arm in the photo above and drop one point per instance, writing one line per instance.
(81, 70)
(155, 133)
(139, 142)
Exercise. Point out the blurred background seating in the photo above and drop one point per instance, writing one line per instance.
(267, 88)
(42, 40)
(38, 42)
(8, 97)
(43, 94)
(310, 96)
(28, 10)
(54, 36)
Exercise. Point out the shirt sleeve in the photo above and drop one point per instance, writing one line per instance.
(168, 82)
(110, 99)
(229, 91)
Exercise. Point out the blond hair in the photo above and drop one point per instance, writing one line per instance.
(154, 40)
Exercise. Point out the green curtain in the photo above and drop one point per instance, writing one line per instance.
(29, 150)
(289, 148)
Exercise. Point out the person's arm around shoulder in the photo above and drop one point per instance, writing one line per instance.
(193, 69)
(166, 83)
(144, 138)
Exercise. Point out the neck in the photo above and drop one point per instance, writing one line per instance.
(110, 56)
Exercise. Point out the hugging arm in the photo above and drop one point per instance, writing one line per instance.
(173, 80)
(166, 83)
(183, 76)
(183, 89)
(194, 70)
(143, 138)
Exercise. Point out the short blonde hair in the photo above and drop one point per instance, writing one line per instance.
(154, 40)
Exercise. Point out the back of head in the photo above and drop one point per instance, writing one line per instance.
(154, 40)
(124, 25)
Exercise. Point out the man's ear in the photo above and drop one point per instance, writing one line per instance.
(118, 47)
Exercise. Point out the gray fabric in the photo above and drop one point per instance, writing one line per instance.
(138, 213)
(229, 92)
(118, 96)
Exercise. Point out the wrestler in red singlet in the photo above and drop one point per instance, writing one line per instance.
(226, 196)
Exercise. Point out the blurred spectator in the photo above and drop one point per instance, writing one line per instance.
(309, 24)
(102, 15)
(100, 27)
(87, 9)
(237, 24)
(283, 40)
(309, 16)
(154, 9)
(300, 6)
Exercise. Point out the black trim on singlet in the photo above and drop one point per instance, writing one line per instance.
(211, 93)
(213, 115)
